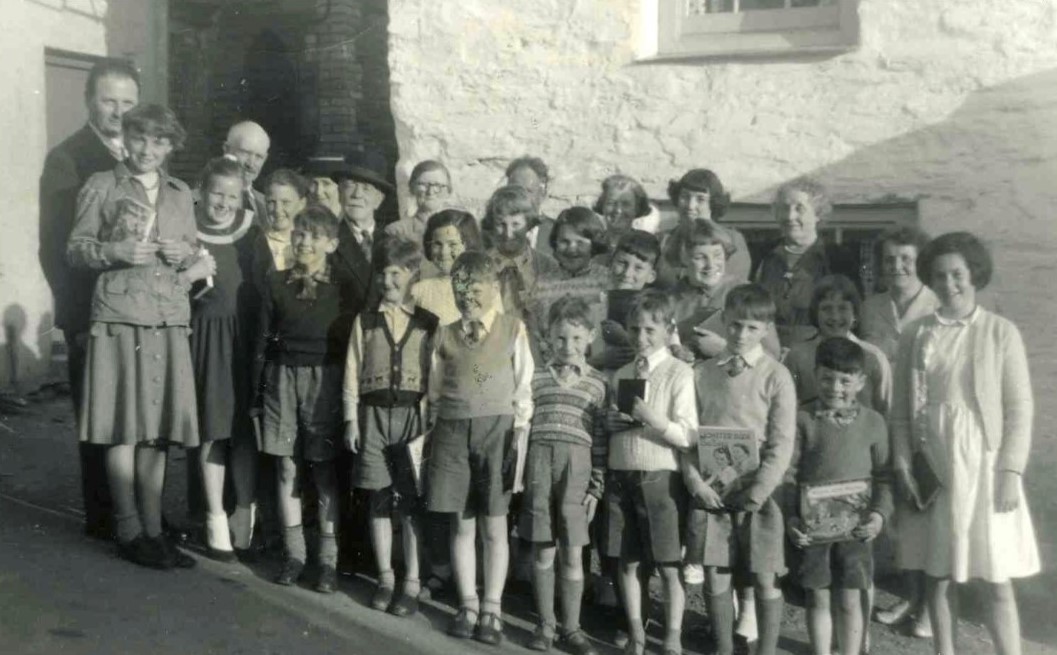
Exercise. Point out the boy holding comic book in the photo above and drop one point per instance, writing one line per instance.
(742, 533)
(838, 440)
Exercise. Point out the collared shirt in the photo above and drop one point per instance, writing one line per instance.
(151, 183)
(281, 249)
(958, 322)
(523, 368)
(882, 323)
(750, 358)
(840, 416)
(114, 144)
(397, 317)
(362, 233)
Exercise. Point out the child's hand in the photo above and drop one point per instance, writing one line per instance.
(908, 487)
(1007, 492)
(617, 421)
(613, 333)
(130, 251)
(796, 534)
(174, 251)
(202, 267)
(706, 496)
(708, 343)
(590, 506)
(641, 412)
(681, 352)
(868, 529)
(352, 436)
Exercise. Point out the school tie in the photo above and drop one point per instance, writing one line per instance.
(642, 368)
(475, 334)
(735, 365)
(366, 241)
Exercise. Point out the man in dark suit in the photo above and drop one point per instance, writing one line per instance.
(111, 90)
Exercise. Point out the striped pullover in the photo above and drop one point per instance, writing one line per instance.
(572, 413)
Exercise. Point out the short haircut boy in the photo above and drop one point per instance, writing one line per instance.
(398, 252)
(749, 302)
(572, 310)
(655, 304)
(835, 285)
(462, 221)
(154, 120)
(474, 265)
(842, 355)
(709, 233)
(640, 244)
(289, 178)
(319, 220)
(585, 223)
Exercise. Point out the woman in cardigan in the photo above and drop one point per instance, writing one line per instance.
(963, 407)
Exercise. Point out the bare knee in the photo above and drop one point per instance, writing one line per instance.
(495, 529)
(1000, 593)
(819, 599)
(543, 556)
(286, 470)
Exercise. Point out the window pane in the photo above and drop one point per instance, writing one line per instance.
(811, 3)
(751, 5)
(702, 7)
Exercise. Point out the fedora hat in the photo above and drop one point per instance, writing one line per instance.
(365, 166)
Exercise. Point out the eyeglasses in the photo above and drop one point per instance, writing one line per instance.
(429, 187)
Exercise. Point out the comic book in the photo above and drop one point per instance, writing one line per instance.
(829, 512)
(727, 457)
(132, 220)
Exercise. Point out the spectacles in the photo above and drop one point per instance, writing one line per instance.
(430, 187)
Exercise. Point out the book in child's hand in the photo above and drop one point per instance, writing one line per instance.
(132, 220)
(925, 477)
(627, 391)
(727, 457)
(409, 460)
(830, 512)
(618, 304)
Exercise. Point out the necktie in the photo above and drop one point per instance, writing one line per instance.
(736, 365)
(366, 243)
(642, 368)
(838, 416)
(476, 332)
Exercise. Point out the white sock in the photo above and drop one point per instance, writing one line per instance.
(217, 535)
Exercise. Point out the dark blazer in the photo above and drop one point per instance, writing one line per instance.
(351, 270)
(66, 168)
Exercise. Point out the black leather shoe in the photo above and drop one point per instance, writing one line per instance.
(542, 639)
(577, 643)
(225, 556)
(291, 572)
(144, 551)
(176, 533)
(328, 580)
(177, 557)
(462, 626)
(382, 598)
(403, 605)
(489, 629)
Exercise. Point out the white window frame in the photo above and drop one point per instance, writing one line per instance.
(669, 33)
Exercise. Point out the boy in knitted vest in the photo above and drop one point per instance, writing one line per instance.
(480, 395)
(564, 470)
(386, 370)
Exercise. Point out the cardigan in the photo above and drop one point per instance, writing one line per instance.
(1001, 386)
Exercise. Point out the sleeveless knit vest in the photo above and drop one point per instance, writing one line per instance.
(477, 380)
(395, 373)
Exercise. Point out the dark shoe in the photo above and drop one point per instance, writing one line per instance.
(462, 626)
(247, 555)
(291, 572)
(225, 556)
(489, 629)
(176, 533)
(144, 551)
(404, 605)
(382, 598)
(177, 557)
(328, 579)
(577, 643)
(634, 648)
(542, 639)
(101, 531)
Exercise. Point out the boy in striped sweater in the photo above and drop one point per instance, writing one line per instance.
(564, 470)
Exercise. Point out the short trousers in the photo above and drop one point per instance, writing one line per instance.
(383, 431)
(470, 466)
(843, 565)
(746, 543)
(302, 412)
(383, 502)
(556, 479)
(643, 511)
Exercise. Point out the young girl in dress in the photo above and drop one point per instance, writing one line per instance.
(963, 404)
(448, 234)
(222, 320)
(136, 225)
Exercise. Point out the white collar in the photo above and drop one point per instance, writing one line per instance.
(962, 322)
(487, 319)
(751, 358)
(391, 307)
(655, 359)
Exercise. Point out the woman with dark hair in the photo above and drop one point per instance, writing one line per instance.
(449, 233)
(962, 409)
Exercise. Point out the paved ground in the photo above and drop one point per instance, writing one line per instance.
(61, 593)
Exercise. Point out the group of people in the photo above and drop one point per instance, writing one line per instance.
(468, 363)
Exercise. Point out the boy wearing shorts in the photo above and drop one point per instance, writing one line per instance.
(480, 394)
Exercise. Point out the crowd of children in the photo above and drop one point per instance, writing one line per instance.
(570, 363)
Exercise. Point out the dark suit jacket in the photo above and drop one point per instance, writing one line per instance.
(66, 168)
(351, 269)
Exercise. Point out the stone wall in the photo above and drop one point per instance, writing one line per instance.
(949, 102)
(92, 27)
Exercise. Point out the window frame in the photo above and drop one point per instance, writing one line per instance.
(830, 29)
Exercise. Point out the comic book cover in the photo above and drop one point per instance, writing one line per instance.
(829, 512)
(132, 220)
(727, 457)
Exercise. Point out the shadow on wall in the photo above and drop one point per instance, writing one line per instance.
(991, 168)
(21, 368)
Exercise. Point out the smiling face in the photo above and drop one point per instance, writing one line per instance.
(722, 458)
(707, 264)
(899, 266)
(112, 97)
(619, 209)
(510, 232)
(249, 145)
(283, 204)
(311, 248)
(569, 341)
(395, 282)
(836, 316)
(743, 334)
(693, 205)
(572, 250)
(431, 190)
(838, 390)
(648, 333)
(626, 271)
(473, 297)
(445, 246)
(324, 191)
(223, 197)
(797, 218)
(359, 201)
(146, 153)
(951, 280)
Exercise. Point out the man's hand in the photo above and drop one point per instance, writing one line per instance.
(617, 421)
(708, 343)
(613, 333)
(796, 534)
(131, 251)
(352, 436)
(869, 528)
